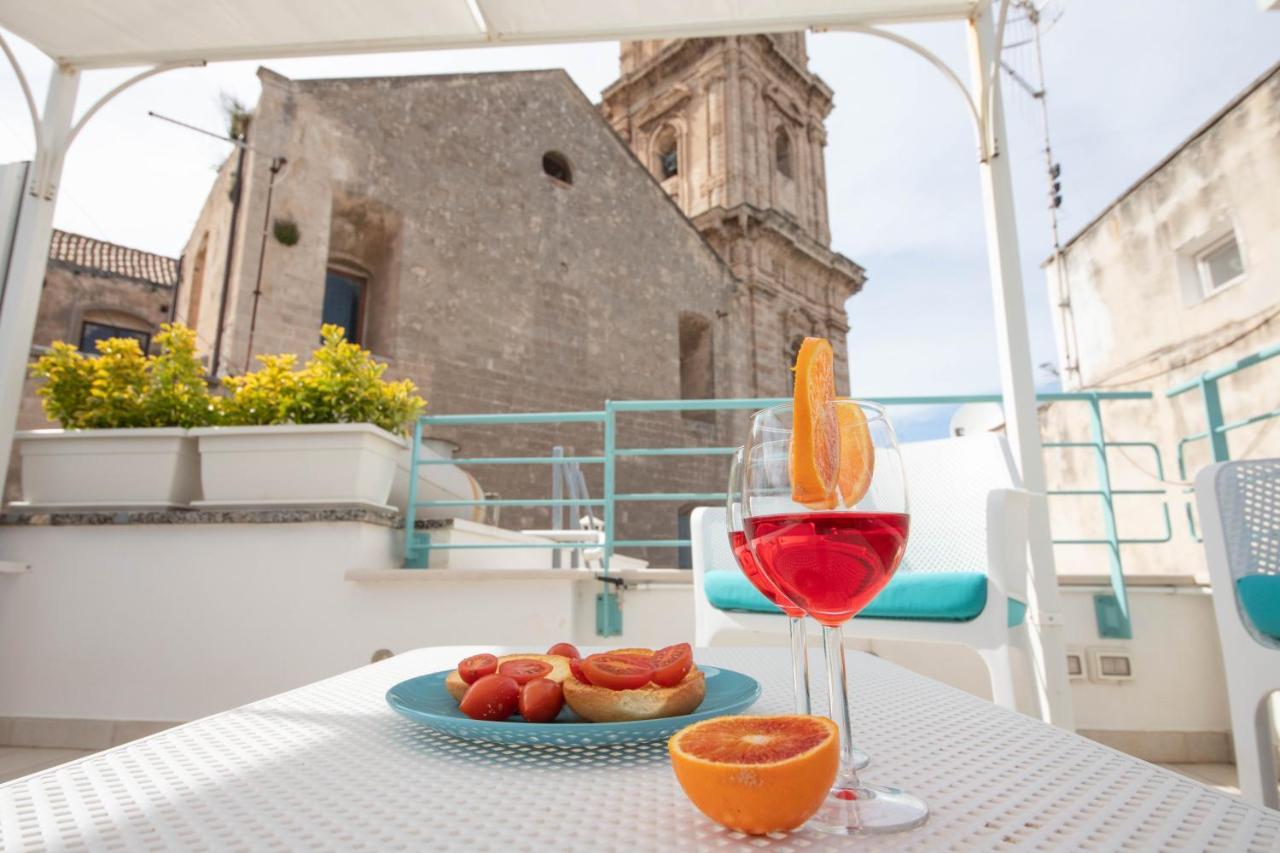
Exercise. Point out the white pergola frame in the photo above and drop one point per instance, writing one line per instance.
(578, 20)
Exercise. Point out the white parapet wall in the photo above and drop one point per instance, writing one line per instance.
(155, 617)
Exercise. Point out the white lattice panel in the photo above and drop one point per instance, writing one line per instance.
(330, 766)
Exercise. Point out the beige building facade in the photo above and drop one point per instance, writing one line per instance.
(1178, 276)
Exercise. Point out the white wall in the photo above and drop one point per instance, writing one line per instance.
(173, 622)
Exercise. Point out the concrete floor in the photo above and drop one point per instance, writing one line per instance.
(17, 761)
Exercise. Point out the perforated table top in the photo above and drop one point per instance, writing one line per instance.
(331, 766)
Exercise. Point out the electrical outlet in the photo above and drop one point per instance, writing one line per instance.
(1110, 665)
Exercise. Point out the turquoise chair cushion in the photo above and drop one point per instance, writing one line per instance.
(1260, 597)
(928, 596)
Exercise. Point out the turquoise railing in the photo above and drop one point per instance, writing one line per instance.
(418, 544)
(1215, 429)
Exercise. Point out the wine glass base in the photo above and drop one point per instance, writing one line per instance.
(869, 810)
(858, 760)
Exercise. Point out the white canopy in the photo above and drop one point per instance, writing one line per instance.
(100, 33)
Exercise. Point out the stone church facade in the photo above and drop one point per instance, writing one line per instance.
(492, 237)
(734, 130)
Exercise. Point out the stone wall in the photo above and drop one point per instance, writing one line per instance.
(494, 286)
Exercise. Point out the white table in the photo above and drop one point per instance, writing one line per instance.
(331, 766)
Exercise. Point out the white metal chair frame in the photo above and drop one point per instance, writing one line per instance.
(1239, 504)
(968, 513)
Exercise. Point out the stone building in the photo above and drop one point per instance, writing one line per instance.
(493, 238)
(95, 290)
(733, 128)
(1179, 275)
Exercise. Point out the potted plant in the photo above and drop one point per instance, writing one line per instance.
(329, 432)
(125, 418)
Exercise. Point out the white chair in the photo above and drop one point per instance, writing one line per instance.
(1239, 505)
(963, 578)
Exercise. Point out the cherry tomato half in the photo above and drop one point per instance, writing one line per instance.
(492, 697)
(672, 664)
(616, 672)
(525, 670)
(575, 666)
(477, 666)
(541, 700)
(569, 650)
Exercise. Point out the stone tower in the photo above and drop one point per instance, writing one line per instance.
(733, 130)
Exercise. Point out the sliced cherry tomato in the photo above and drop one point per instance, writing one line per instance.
(672, 664)
(644, 660)
(492, 697)
(477, 666)
(541, 700)
(617, 672)
(575, 666)
(569, 650)
(525, 670)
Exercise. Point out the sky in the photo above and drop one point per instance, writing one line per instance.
(1126, 82)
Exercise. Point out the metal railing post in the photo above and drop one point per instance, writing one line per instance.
(415, 554)
(1120, 625)
(1213, 419)
(607, 605)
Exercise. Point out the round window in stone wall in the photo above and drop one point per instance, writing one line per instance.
(556, 165)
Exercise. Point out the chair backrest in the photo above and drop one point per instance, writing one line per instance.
(948, 484)
(1239, 506)
(709, 535)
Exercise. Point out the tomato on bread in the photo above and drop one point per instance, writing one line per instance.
(597, 704)
(559, 672)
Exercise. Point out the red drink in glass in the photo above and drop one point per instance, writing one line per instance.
(831, 564)
(738, 541)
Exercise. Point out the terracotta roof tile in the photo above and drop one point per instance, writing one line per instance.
(98, 256)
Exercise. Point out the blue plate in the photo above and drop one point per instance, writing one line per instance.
(425, 700)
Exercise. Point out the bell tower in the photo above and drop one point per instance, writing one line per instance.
(733, 130)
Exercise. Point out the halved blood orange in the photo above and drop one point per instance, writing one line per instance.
(814, 441)
(857, 454)
(757, 774)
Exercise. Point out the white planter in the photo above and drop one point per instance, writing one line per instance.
(108, 468)
(297, 465)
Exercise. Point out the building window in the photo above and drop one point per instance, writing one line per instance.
(782, 151)
(697, 363)
(1220, 264)
(91, 333)
(668, 149)
(556, 165)
(344, 294)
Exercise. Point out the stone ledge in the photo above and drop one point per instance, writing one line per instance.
(300, 515)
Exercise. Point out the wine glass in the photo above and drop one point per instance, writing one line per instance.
(831, 562)
(742, 553)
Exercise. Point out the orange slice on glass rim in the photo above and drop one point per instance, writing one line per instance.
(814, 432)
(757, 774)
(857, 453)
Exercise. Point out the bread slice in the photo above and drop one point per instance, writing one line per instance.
(602, 705)
(559, 672)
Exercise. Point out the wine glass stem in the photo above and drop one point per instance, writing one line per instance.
(800, 666)
(837, 690)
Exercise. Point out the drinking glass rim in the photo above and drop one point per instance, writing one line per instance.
(879, 411)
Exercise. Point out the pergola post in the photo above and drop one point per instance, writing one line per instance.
(30, 256)
(1014, 346)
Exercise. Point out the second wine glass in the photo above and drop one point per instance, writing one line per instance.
(830, 550)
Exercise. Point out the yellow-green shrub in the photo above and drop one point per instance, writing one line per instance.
(341, 383)
(122, 387)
